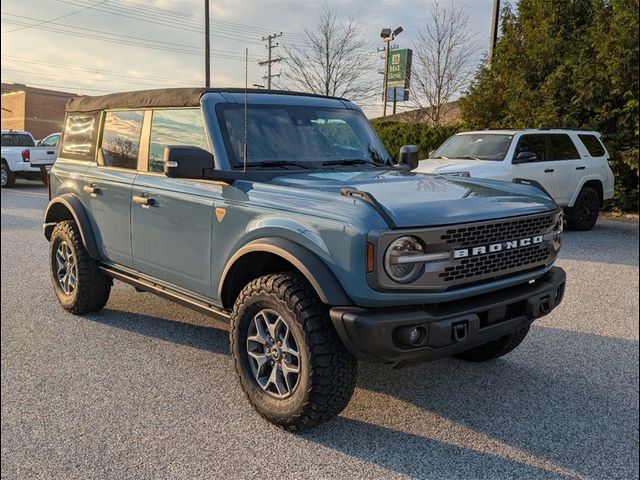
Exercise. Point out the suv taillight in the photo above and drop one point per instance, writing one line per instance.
(26, 155)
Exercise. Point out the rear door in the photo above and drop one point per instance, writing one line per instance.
(171, 218)
(107, 188)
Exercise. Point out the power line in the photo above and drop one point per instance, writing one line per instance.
(270, 61)
(56, 18)
(141, 42)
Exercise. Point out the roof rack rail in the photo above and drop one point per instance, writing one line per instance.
(580, 129)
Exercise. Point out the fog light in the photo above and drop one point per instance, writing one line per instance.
(412, 336)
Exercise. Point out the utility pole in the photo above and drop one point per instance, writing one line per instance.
(270, 46)
(495, 21)
(207, 46)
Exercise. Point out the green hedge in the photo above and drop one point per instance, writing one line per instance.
(427, 138)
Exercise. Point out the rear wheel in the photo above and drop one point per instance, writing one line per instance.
(495, 349)
(7, 177)
(291, 364)
(77, 281)
(584, 214)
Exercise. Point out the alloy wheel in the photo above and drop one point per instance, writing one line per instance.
(588, 209)
(273, 354)
(66, 268)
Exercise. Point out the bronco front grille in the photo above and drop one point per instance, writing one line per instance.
(495, 263)
(472, 253)
(496, 231)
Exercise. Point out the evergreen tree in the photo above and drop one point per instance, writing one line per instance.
(571, 63)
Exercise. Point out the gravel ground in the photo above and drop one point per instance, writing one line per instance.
(146, 389)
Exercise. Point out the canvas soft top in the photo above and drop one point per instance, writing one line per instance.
(163, 97)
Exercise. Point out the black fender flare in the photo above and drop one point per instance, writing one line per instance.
(304, 260)
(72, 204)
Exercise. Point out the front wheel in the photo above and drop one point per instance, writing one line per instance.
(584, 214)
(495, 349)
(290, 362)
(7, 177)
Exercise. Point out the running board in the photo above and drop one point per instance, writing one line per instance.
(169, 294)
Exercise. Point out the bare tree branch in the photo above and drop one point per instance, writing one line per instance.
(444, 57)
(333, 60)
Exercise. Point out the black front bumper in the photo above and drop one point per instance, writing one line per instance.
(382, 335)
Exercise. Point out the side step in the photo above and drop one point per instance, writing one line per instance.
(169, 294)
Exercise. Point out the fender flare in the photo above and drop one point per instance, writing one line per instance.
(583, 182)
(317, 273)
(74, 206)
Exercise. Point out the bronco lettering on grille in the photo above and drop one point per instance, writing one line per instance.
(497, 247)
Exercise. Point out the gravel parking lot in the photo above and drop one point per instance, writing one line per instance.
(146, 388)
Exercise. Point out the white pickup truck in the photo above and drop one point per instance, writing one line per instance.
(24, 158)
(571, 165)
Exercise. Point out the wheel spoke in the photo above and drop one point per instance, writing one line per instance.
(276, 379)
(260, 358)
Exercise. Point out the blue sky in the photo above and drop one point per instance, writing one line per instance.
(101, 46)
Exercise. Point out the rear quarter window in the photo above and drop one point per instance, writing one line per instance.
(593, 144)
(16, 140)
(79, 136)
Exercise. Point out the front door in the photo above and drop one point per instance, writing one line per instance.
(540, 170)
(171, 219)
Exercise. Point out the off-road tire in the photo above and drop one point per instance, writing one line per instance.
(9, 175)
(328, 371)
(92, 286)
(496, 348)
(584, 214)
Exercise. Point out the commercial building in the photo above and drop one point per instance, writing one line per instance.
(36, 110)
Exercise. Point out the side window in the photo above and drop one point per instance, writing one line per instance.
(51, 141)
(534, 144)
(78, 140)
(561, 147)
(174, 127)
(338, 132)
(121, 139)
(593, 144)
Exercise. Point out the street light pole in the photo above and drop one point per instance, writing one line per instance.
(386, 41)
(388, 36)
(207, 46)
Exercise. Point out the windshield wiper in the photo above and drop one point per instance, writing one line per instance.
(441, 157)
(278, 163)
(358, 161)
(468, 157)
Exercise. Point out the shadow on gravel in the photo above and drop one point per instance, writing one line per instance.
(570, 405)
(564, 401)
(204, 337)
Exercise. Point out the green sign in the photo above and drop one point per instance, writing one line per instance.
(399, 68)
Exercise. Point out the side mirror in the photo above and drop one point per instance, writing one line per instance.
(408, 156)
(525, 157)
(186, 162)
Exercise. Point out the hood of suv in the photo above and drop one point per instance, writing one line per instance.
(417, 200)
(434, 165)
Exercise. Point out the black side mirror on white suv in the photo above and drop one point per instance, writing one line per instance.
(525, 157)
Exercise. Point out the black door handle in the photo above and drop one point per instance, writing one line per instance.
(51, 152)
(581, 168)
(91, 190)
(143, 200)
(549, 170)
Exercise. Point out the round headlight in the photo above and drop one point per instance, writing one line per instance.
(397, 259)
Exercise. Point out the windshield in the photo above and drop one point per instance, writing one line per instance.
(483, 146)
(299, 136)
(16, 140)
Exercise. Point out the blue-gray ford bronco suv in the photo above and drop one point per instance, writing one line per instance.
(284, 214)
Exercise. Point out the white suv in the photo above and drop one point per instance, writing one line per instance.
(571, 165)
